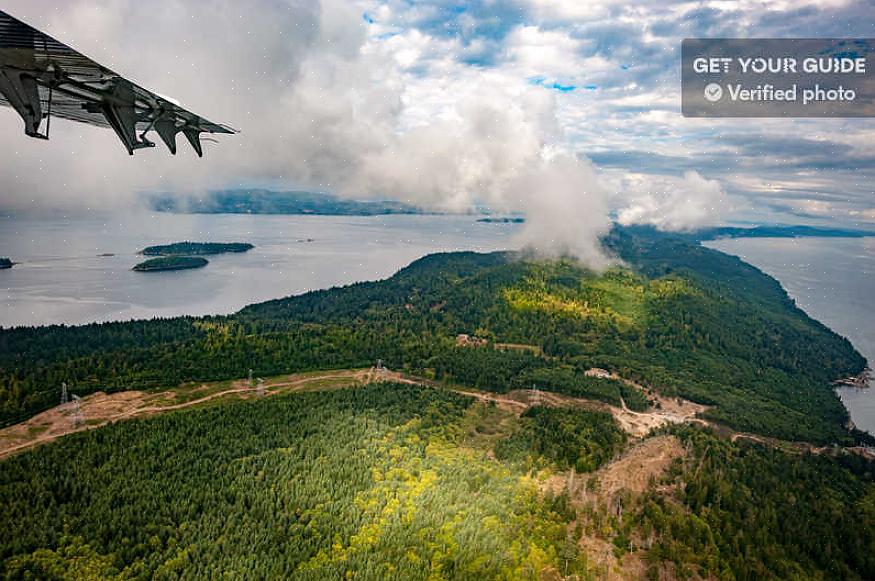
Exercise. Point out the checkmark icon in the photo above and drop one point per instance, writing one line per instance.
(713, 92)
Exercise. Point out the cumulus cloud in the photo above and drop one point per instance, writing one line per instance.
(321, 104)
(229, 61)
(676, 203)
(567, 208)
(447, 104)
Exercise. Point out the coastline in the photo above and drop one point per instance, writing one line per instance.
(815, 274)
(862, 380)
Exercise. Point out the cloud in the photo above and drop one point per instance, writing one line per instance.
(322, 104)
(446, 103)
(566, 208)
(228, 61)
(867, 215)
(676, 204)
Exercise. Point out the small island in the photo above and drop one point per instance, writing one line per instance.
(196, 248)
(171, 263)
(503, 220)
(6, 263)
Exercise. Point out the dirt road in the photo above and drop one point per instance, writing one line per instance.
(99, 409)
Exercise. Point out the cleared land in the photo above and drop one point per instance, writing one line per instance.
(101, 408)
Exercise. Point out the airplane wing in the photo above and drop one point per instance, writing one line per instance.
(42, 78)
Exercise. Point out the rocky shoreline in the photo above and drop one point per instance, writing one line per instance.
(860, 381)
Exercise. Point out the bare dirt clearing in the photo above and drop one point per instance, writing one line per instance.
(669, 411)
(636, 424)
(59, 421)
(100, 408)
(642, 463)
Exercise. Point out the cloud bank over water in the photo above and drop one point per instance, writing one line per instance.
(448, 104)
(321, 106)
(676, 203)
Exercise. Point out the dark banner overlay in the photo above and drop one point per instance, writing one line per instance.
(778, 77)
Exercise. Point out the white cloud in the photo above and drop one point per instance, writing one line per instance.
(434, 103)
(323, 104)
(676, 204)
(566, 208)
(533, 51)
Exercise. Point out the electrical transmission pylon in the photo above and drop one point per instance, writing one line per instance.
(251, 381)
(381, 370)
(536, 395)
(259, 389)
(77, 411)
(64, 393)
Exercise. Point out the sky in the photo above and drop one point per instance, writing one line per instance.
(567, 111)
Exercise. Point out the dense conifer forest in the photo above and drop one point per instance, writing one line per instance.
(405, 482)
(412, 482)
(673, 315)
(196, 248)
(367, 480)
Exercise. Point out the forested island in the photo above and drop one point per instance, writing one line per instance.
(502, 220)
(503, 460)
(272, 202)
(196, 248)
(171, 263)
(6, 263)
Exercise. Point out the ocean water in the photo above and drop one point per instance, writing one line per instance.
(63, 279)
(833, 280)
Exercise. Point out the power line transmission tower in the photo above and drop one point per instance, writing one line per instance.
(64, 393)
(259, 389)
(251, 382)
(77, 411)
(536, 396)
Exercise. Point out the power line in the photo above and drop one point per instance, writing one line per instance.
(77, 411)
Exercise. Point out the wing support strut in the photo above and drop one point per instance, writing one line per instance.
(121, 114)
(194, 138)
(167, 130)
(22, 92)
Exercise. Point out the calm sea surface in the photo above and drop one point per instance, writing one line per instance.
(833, 280)
(63, 278)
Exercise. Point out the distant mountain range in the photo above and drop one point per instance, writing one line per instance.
(271, 202)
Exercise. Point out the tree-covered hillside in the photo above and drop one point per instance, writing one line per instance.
(393, 481)
(746, 511)
(369, 483)
(684, 319)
